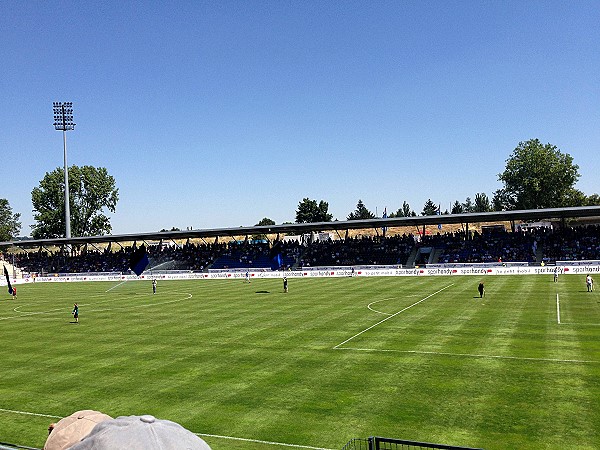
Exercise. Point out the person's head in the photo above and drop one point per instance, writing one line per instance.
(71, 429)
(145, 432)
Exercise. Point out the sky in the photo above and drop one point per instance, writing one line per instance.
(213, 114)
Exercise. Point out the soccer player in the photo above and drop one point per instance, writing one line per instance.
(247, 276)
(481, 289)
(14, 288)
(285, 285)
(556, 274)
(589, 282)
(75, 313)
(154, 286)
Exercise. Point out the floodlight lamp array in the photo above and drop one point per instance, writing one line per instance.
(63, 116)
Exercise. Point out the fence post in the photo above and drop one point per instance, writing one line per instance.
(372, 443)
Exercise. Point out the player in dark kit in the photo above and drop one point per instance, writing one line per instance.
(75, 313)
(481, 290)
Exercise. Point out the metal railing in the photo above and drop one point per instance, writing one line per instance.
(381, 443)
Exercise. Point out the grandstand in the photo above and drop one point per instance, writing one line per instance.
(190, 251)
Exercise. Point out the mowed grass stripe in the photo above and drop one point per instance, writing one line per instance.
(245, 360)
(575, 399)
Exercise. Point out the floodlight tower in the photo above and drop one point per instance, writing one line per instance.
(63, 120)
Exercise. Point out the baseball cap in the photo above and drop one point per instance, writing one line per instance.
(71, 429)
(140, 433)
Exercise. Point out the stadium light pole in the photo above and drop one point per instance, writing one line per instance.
(63, 120)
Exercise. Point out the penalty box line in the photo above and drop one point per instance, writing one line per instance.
(393, 315)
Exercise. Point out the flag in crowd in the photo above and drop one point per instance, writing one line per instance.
(139, 260)
(275, 256)
(10, 289)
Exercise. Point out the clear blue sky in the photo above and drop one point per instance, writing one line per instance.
(217, 114)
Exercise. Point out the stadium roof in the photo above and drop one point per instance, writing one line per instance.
(528, 215)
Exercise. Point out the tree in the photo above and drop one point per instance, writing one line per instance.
(405, 211)
(310, 212)
(500, 201)
(361, 212)
(482, 203)
(265, 221)
(91, 190)
(430, 209)
(468, 206)
(9, 222)
(538, 176)
(592, 200)
(457, 208)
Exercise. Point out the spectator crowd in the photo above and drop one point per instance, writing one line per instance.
(498, 245)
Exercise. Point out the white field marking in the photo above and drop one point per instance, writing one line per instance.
(377, 301)
(474, 355)
(115, 286)
(55, 310)
(29, 413)
(281, 444)
(393, 315)
(557, 309)
(18, 310)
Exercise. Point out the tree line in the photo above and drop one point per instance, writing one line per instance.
(536, 176)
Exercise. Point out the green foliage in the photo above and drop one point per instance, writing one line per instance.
(429, 209)
(482, 203)
(468, 206)
(457, 208)
(538, 176)
(405, 211)
(500, 201)
(361, 212)
(90, 191)
(9, 222)
(592, 200)
(310, 212)
(265, 221)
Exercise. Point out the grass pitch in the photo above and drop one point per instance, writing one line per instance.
(251, 368)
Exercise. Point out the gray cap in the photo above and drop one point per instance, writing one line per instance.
(140, 432)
